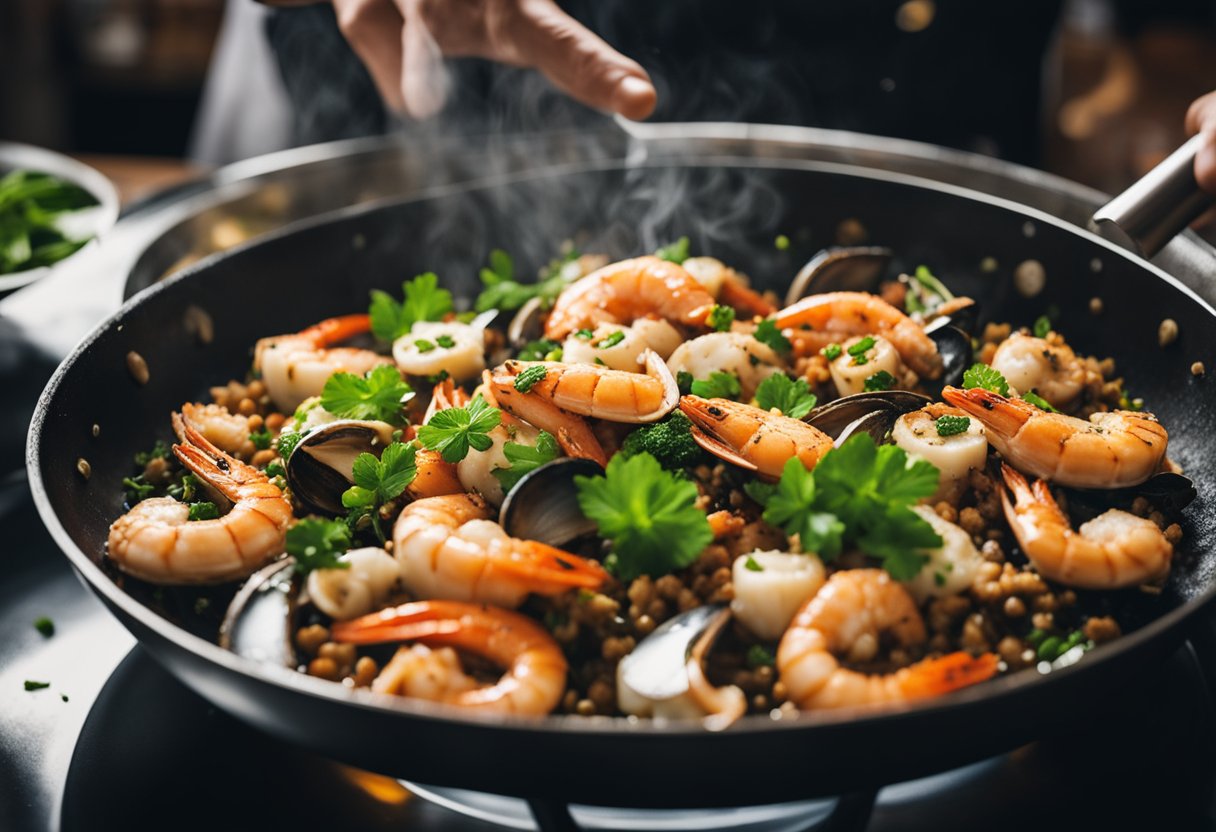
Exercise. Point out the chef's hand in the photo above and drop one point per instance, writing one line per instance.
(403, 42)
(1201, 118)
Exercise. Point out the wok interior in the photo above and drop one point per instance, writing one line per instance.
(733, 211)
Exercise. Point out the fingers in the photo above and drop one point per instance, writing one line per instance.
(537, 33)
(374, 29)
(424, 80)
(1201, 118)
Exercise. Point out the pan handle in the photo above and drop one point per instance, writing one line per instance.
(1156, 207)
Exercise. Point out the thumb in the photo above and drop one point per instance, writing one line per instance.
(1201, 118)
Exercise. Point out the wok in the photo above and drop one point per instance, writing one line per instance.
(732, 208)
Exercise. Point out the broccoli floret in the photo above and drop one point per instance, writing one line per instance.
(669, 441)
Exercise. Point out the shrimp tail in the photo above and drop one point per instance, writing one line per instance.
(217, 469)
(955, 671)
(744, 299)
(546, 565)
(1001, 415)
(335, 330)
(572, 432)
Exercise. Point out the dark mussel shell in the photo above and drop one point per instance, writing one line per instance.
(954, 346)
(874, 413)
(258, 622)
(841, 269)
(1168, 492)
(543, 505)
(318, 469)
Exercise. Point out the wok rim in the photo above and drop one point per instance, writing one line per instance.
(290, 681)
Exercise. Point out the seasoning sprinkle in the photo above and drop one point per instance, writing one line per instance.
(138, 368)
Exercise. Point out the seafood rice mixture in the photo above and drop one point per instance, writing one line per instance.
(645, 488)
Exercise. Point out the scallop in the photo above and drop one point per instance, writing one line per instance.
(770, 587)
(727, 352)
(362, 586)
(476, 470)
(954, 456)
(951, 567)
(850, 372)
(613, 346)
(431, 348)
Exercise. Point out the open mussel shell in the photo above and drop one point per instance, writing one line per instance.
(653, 678)
(320, 467)
(954, 346)
(528, 324)
(258, 622)
(841, 269)
(543, 505)
(873, 413)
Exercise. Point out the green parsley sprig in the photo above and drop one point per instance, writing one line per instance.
(768, 333)
(379, 480)
(316, 543)
(544, 349)
(524, 459)
(882, 380)
(676, 252)
(949, 425)
(503, 291)
(719, 385)
(649, 514)
(453, 431)
(985, 377)
(792, 398)
(1042, 326)
(720, 318)
(424, 301)
(858, 494)
(1038, 401)
(378, 395)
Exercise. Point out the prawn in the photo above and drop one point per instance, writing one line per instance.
(752, 438)
(623, 292)
(848, 616)
(571, 431)
(296, 367)
(1115, 549)
(436, 476)
(1117, 449)
(818, 320)
(227, 431)
(448, 547)
(535, 676)
(156, 540)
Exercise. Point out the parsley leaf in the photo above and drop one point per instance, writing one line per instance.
(951, 425)
(767, 333)
(379, 480)
(1042, 326)
(424, 301)
(1038, 401)
(981, 375)
(378, 395)
(858, 494)
(530, 376)
(316, 543)
(542, 350)
(423, 345)
(445, 341)
(649, 514)
(525, 458)
(503, 291)
(882, 380)
(793, 398)
(721, 317)
(676, 252)
(453, 431)
(137, 489)
(832, 351)
(260, 439)
(720, 385)
(204, 510)
(752, 565)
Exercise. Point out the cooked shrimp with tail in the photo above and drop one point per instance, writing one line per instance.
(295, 367)
(751, 438)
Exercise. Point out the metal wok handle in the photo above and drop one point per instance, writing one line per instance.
(1164, 202)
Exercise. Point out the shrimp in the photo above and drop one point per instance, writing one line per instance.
(156, 540)
(1112, 450)
(751, 438)
(535, 676)
(1053, 371)
(590, 390)
(227, 431)
(848, 616)
(448, 548)
(1114, 550)
(623, 292)
(295, 367)
(834, 316)
(571, 431)
(728, 286)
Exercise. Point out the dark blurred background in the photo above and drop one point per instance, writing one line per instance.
(121, 81)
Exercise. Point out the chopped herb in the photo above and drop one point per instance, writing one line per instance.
(445, 341)
(882, 380)
(203, 510)
(832, 351)
(939, 579)
(423, 345)
(752, 565)
(275, 469)
(720, 385)
(600, 361)
(721, 317)
(453, 431)
(649, 514)
(260, 439)
(668, 440)
(525, 458)
(45, 626)
(137, 489)
(1042, 326)
(792, 398)
(584, 334)
(379, 480)
(64, 697)
(201, 605)
(858, 494)
(767, 333)
(30, 685)
(159, 451)
(542, 350)
(610, 340)
(985, 377)
(684, 382)
(676, 252)
(185, 489)
(286, 443)
(424, 301)
(1127, 403)
(530, 376)
(316, 543)
(951, 425)
(502, 290)
(782, 242)
(759, 656)
(1038, 401)
(378, 395)
(858, 350)
(925, 292)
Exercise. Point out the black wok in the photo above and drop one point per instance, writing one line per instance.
(732, 210)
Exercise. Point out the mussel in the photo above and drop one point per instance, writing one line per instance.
(954, 346)
(873, 413)
(1167, 491)
(842, 269)
(320, 467)
(543, 505)
(258, 622)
